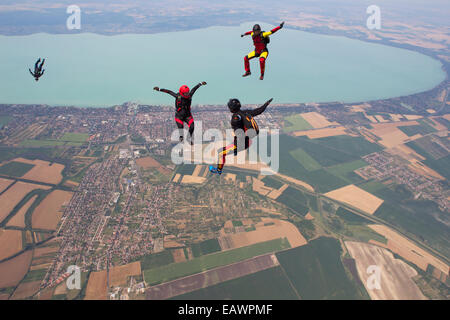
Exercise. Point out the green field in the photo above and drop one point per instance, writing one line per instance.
(74, 137)
(187, 169)
(320, 179)
(372, 186)
(356, 146)
(305, 160)
(294, 200)
(423, 129)
(440, 165)
(345, 171)
(205, 247)
(363, 233)
(210, 261)
(35, 275)
(272, 183)
(237, 223)
(15, 169)
(156, 260)
(41, 143)
(350, 217)
(296, 123)
(341, 153)
(316, 271)
(4, 120)
(417, 218)
(270, 284)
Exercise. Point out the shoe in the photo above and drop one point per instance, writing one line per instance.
(213, 169)
(247, 74)
(261, 78)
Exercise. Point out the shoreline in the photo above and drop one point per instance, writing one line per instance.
(445, 67)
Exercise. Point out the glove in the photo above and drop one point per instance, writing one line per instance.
(203, 83)
(269, 101)
(242, 35)
(282, 24)
(156, 88)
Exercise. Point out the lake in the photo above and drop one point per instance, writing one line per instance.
(94, 70)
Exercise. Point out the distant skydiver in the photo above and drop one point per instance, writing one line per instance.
(38, 72)
(260, 40)
(183, 102)
(241, 122)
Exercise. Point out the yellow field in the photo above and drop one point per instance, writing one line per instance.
(297, 182)
(149, 162)
(356, 197)
(178, 255)
(42, 251)
(14, 195)
(280, 229)
(321, 133)
(48, 212)
(197, 170)
(19, 218)
(408, 250)
(4, 183)
(396, 117)
(316, 120)
(230, 177)
(192, 180)
(309, 216)
(380, 118)
(258, 186)
(170, 244)
(176, 178)
(96, 287)
(438, 126)
(371, 118)
(25, 290)
(276, 193)
(390, 135)
(119, 275)
(12, 271)
(10, 243)
(412, 117)
(422, 169)
(396, 281)
(43, 171)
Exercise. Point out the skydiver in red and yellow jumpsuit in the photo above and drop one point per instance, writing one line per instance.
(260, 40)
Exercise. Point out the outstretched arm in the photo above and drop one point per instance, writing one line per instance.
(196, 87)
(247, 33)
(173, 94)
(261, 109)
(31, 72)
(268, 33)
(42, 73)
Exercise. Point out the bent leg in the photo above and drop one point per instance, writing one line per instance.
(223, 153)
(247, 59)
(262, 62)
(191, 125)
(180, 126)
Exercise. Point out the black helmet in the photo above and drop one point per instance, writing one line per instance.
(234, 105)
(256, 27)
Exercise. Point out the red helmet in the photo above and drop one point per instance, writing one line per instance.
(184, 91)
